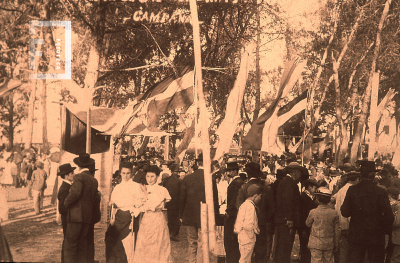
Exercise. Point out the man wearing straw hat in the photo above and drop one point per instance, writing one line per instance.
(80, 202)
(371, 217)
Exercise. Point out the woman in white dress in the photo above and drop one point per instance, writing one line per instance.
(7, 178)
(153, 241)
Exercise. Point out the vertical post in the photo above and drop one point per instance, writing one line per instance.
(204, 127)
(166, 148)
(373, 116)
(204, 232)
(105, 180)
(62, 147)
(88, 131)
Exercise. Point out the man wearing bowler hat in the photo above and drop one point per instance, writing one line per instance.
(66, 172)
(230, 239)
(371, 217)
(80, 217)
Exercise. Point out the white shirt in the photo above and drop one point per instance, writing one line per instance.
(128, 196)
(157, 196)
(246, 222)
(340, 195)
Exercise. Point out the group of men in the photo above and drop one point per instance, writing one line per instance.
(79, 206)
(363, 208)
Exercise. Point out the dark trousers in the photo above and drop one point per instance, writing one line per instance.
(356, 254)
(76, 245)
(304, 236)
(231, 242)
(284, 238)
(174, 224)
(389, 249)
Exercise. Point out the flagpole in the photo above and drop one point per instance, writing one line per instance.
(204, 128)
(196, 106)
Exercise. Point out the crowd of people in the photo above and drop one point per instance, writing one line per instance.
(340, 214)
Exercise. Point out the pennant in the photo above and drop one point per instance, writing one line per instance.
(264, 139)
(227, 128)
(253, 139)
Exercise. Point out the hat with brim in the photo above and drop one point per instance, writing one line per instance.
(367, 167)
(312, 182)
(253, 170)
(84, 160)
(232, 166)
(296, 166)
(65, 169)
(323, 191)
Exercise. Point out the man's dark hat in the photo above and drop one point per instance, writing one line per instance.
(84, 160)
(280, 173)
(232, 166)
(367, 166)
(296, 166)
(311, 182)
(347, 167)
(65, 169)
(253, 170)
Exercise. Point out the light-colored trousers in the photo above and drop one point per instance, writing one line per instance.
(246, 251)
(37, 200)
(321, 256)
(195, 244)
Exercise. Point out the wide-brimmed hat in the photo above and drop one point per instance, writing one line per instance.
(296, 166)
(323, 191)
(83, 160)
(367, 166)
(231, 166)
(347, 167)
(253, 170)
(65, 169)
(311, 181)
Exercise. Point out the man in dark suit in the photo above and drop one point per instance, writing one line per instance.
(173, 185)
(66, 172)
(371, 217)
(265, 209)
(230, 239)
(192, 193)
(307, 203)
(80, 203)
(287, 215)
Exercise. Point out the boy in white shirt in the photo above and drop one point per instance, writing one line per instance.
(246, 225)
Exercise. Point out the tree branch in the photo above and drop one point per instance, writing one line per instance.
(245, 113)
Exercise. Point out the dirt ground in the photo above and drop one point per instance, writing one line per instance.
(38, 238)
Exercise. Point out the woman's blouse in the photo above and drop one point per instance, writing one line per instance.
(157, 195)
(128, 195)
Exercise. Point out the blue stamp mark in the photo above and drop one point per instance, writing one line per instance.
(67, 50)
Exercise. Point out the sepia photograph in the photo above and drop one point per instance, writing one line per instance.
(200, 131)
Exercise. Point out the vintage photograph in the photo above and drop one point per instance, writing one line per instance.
(201, 131)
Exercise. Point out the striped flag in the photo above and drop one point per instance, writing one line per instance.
(263, 133)
(227, 128)
(169, 94)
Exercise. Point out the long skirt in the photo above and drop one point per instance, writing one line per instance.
(116, 250)
(153, 242)
(5, 252)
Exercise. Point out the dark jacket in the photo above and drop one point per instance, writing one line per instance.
(266, 204)
(192, 193)
(287, 202)
(232, 194)
(306, 205)
(173, 185)
(82, 198)
(370, 211)
(62, 194)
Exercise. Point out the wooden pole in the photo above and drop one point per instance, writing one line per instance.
(166, 148)
(205, 143)
(88, 131)
(373, 116)
(204, 232)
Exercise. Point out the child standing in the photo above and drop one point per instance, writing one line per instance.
(325, 228)
(246, 224)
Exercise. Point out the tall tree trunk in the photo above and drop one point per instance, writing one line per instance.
(142, 148)
(44, 117)
(258, 77)
(11, 121)
(367, 95)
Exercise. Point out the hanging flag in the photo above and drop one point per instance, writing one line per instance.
(169, 94)
(8, 85)
(227, 128)
(265, 138)
(74, 131)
